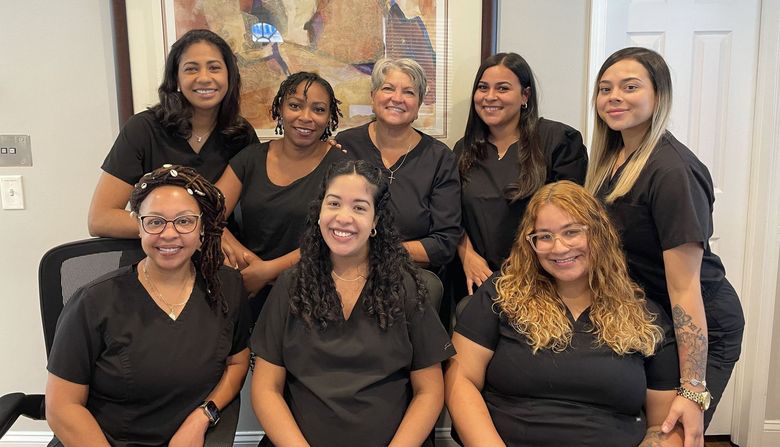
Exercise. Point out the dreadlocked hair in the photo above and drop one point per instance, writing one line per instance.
(290, 85)
(527, 294)
(313, 294)
(212, 221)
(532, 169)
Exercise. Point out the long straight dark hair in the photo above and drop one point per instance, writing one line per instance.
(175, 112)
(530, 156)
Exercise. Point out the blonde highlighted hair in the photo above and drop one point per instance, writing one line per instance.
(527, 294)
(607, 143)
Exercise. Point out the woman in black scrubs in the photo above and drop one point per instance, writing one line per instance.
(561, 347)
(660, 197)
(423, 176)
(275, 181)
(506, 154)
(196, 124)
(148, 354)
(348, 347)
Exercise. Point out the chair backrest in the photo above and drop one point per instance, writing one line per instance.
(434, 286)
(65, 268)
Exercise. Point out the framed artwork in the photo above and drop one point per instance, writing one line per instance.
(339, 39)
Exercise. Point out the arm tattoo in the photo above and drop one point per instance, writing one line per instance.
(653, 438)
(692, 342)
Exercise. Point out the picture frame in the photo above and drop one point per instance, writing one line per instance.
(145, 30)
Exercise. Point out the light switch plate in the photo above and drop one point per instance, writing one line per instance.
(15, 150)
(12, 192)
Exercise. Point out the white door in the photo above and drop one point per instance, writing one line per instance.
(711, 47)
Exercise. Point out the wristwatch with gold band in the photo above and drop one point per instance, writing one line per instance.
(702, 398)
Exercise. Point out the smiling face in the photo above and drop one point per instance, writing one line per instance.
(626, 98)
(306, 114)
(397, 101)
(569, 266)
(203, 76)
(499, 97)
(169, 250)
(347, 217)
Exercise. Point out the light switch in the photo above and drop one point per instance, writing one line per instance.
(12, 192)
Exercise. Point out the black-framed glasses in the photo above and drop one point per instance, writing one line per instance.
(544, 241)
(184, 224)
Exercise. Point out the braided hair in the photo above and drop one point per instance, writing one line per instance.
(212, 207)
(313, 296)
(290, 85)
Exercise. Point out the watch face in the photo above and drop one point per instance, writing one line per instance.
(705, 401)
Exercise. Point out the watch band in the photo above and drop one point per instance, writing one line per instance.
(701, 398)
(211, 411)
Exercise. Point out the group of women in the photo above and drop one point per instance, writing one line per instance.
(599, 315)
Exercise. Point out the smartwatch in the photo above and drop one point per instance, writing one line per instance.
(212, 412)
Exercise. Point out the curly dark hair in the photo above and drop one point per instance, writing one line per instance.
(174, 112)
(530, 160)
(288, 87)
(212, 207)
(313, 296)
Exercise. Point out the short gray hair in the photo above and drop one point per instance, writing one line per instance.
(409, 67)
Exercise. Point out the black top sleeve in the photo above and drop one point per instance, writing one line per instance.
(78, 342)
(479, 322)
(680, 207)
(125, 160)
(268, 334)
(234, 292)
(442, 242)
(569, 158)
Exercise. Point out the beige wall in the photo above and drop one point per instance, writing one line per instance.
(532, 28)
(56, 85)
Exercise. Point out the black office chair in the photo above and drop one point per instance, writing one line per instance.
(62, 271)
(434, 286)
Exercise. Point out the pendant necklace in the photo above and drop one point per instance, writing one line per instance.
(199, 138)
(171, 307)
(393, 171)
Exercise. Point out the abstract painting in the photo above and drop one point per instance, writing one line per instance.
(339, 39)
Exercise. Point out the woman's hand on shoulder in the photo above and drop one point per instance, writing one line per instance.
(257, 274)
(476, 270)
(333, 143)
(191, 432)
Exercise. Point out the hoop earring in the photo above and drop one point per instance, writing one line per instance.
(525, 105)
(373, 232)
(279, 126)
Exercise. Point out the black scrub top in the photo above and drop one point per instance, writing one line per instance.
(273, 217)
(425, 195)
(350, 384)
(146, 373)
(144, 145)
(586, 395)
(489, 218)
(669, 205)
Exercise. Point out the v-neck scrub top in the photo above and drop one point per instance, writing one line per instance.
(489, 218)
(274, 216)
(350, 384)
(586, 395)
(146, 372)
(144, 145)
(425, 192)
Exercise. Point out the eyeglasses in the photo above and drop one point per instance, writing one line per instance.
(544, 241)
(182, 224)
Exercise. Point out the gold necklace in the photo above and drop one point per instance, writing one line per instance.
(199, 138)
(171, 307)
(345, 279)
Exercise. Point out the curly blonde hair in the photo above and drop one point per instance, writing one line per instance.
(527, 294)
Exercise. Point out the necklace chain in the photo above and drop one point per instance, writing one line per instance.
(332, 272)
(403, 160)
(199, 138)
(171, 307)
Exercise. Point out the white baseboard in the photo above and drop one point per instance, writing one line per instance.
(243, 438)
